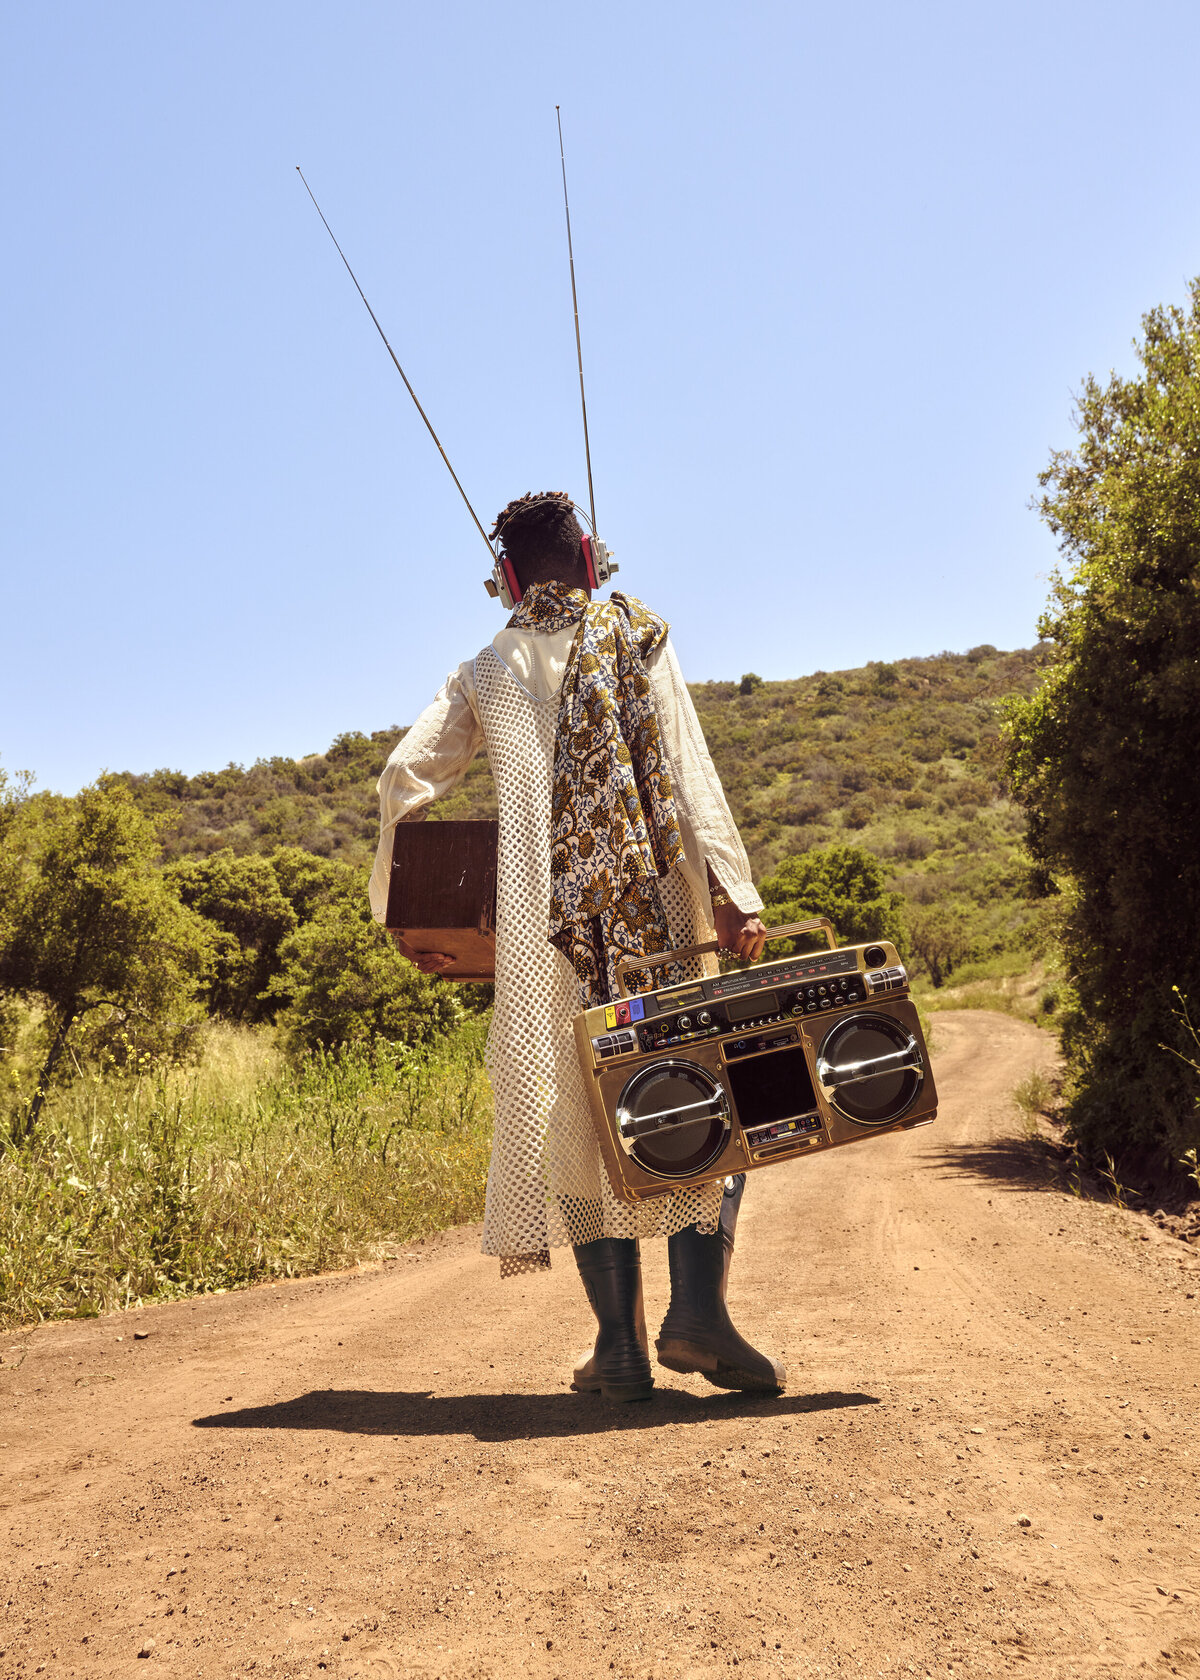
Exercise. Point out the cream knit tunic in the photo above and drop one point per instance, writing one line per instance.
(547, 1186)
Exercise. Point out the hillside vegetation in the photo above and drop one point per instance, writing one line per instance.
(900, 759)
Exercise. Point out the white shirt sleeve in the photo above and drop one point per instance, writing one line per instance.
(430, 760)
(706, 826)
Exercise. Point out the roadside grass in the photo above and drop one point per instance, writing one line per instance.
(1033, 1095)
(143, 1187)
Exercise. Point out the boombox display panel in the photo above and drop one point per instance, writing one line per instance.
(785, 1059)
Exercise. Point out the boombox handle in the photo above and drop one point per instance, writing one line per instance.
(820, 924)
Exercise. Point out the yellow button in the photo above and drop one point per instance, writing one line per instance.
(610, 1016)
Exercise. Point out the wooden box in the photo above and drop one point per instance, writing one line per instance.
(442, 894)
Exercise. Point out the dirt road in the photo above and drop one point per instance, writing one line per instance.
(986, 1461)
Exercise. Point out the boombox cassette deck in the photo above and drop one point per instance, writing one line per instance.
(689, 1083)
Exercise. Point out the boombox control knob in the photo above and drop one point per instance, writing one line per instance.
(684, 1023)
(704, 1019)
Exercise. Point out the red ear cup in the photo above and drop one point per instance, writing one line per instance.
(510, 577)
(589, 563)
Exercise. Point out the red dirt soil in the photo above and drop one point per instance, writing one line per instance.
(986, 1461)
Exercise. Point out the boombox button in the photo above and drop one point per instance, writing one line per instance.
(826, 1003)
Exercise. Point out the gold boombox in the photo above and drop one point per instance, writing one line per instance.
(691, 1082)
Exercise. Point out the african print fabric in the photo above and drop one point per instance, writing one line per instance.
(614, 827)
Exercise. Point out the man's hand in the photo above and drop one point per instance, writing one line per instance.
(429, 962)
(744, 935)
(433, 962)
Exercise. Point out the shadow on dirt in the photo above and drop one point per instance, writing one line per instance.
(1016, 1163)
(514, 1417)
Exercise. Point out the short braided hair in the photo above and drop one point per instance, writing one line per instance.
(542, 538)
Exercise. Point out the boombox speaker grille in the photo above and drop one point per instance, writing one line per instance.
(673, 1118)
(871, 1069)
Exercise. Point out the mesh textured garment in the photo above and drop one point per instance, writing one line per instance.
(547, 1186)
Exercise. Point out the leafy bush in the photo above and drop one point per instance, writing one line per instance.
(844, 883)
(250, 917)
(906, 843)
(345, 983)
(253, 903)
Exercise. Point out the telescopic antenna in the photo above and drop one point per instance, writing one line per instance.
(404, 376)
(587, 448)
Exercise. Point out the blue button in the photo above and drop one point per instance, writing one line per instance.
(637, 1009)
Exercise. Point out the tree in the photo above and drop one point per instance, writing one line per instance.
(250, 918)
(844, 883)
(1103, 755)
(346, 983)
(939, 939)
(308, 881)
(89, 920)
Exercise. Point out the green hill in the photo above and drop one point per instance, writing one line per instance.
(901, 759)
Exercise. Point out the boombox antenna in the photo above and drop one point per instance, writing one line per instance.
(404, 376)
(587, 448)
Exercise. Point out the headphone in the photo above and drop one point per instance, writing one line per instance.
(598, 565)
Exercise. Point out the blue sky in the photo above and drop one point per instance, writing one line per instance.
(840, 272)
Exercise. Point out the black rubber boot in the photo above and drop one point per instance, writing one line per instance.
(697, 1333)
(619, 1368)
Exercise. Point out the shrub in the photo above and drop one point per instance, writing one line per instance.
(908, 844)
(844, 883)
(805, 804)
(345, 983)
(250, 917)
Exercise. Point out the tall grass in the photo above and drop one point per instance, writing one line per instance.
(148, 1186)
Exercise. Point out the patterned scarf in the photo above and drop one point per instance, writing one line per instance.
(614, 825)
